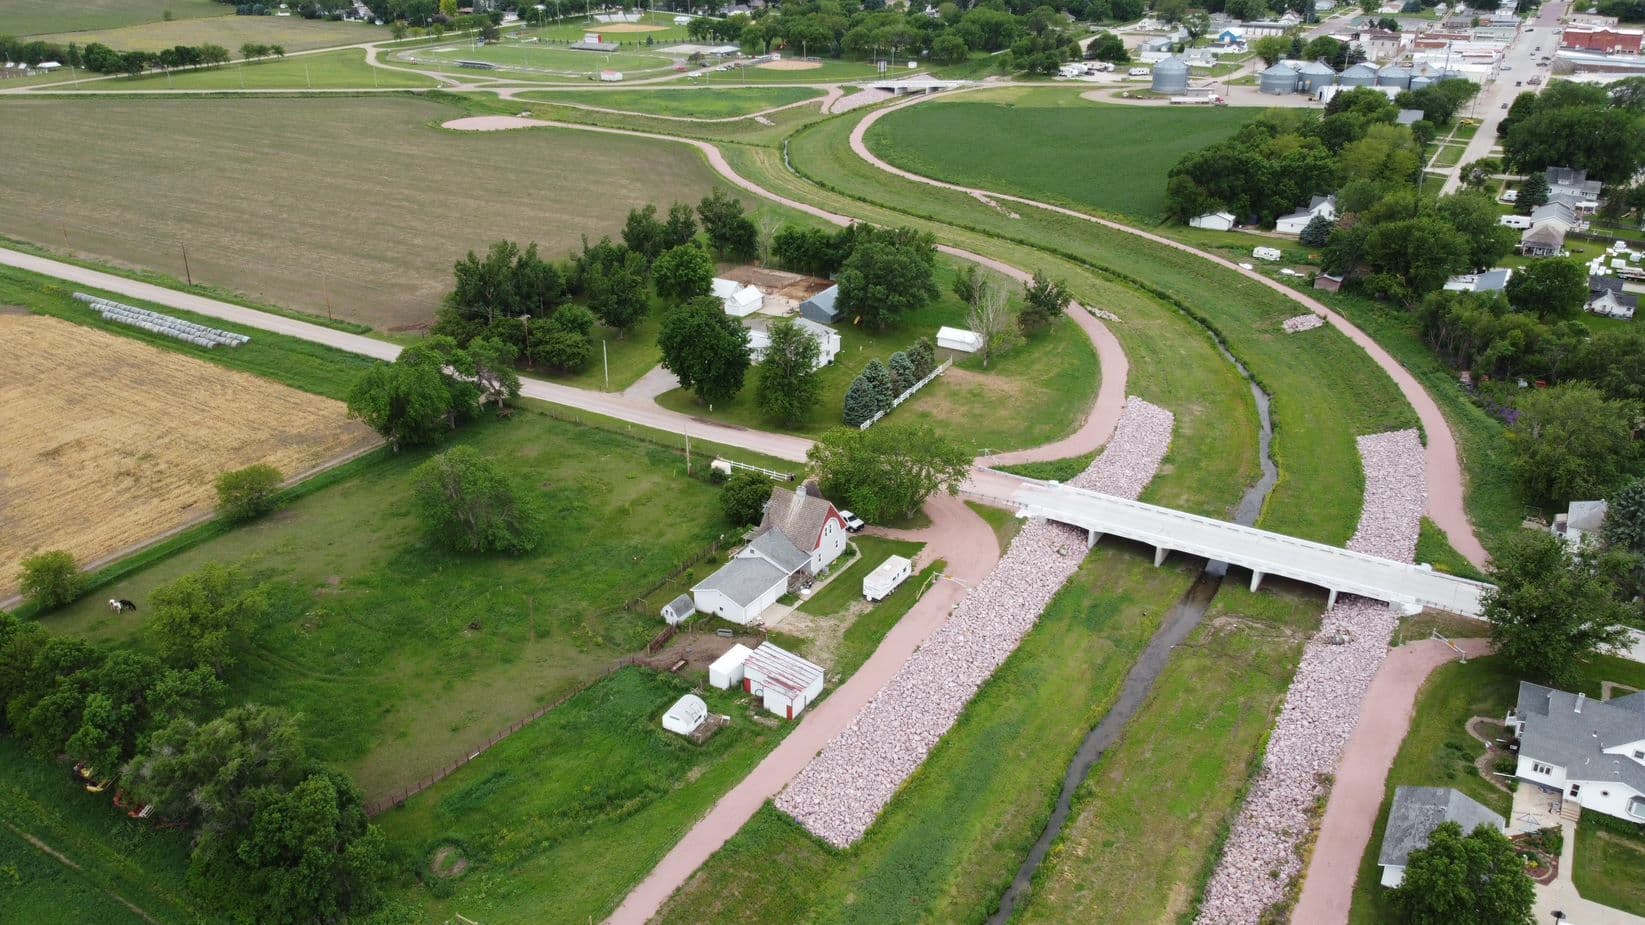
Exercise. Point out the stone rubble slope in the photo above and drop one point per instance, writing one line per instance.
(842, 791)
(1323, 705)
(1302, 323)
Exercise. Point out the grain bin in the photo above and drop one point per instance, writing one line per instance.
(1394, 76)
(1313, 75)
(1171, 76)
(1281, 78)
(1360, 75)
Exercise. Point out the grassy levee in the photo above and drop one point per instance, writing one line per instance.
(1326, 390)
(741, 132)
(572, 811)
(1086, 155)
(344, 69)
(695, 103)
(1439, 752)
(115, 858)
(297, 363)
(952, 838)
(1222, 689)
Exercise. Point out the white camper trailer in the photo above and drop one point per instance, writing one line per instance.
(886, 577)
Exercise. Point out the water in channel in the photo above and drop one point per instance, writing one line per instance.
(1174, 628)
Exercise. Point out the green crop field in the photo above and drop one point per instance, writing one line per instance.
(1050, 144)
(1224, 686)
(37, 17)
(520, 60)
(1439, 752)
(272, 200)
(332, 70)
(401, 654)
(293, 32)
(695, 103)
(953, 837)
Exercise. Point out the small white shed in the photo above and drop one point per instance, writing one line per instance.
(786, 683)
(685, 715)
(678, 609)
(959, 339)
(739, 300)
(727, 670)
(886, 577)
(1216, 221)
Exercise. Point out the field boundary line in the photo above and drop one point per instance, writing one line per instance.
(68, 862)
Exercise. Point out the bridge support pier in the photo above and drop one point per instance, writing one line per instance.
(1160, 552)
(1331, 598)
(1256, 579)
(1091, 538)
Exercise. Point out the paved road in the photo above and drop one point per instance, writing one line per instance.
(1444, 469)
(1519, 64)
(1362, 772)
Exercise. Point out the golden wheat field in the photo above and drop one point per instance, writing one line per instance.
(106, 442)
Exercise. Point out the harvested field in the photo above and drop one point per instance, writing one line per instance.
(293, 32)
(97, 468)
(346, 205)
(790, 65)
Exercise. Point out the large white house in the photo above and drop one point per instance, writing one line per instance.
(802, 533)
(1318, 206)
(1592, 751)
(812, 524)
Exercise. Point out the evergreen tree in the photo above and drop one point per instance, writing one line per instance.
(879, 380)
(924, 357)
(859, 401)
(902, 373)
(1316, 232)
(1533, 193)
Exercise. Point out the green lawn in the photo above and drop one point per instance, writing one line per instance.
(952, 838)
(402, 655)
(1110, 158)
(534, 62)
(827, 70)
(571, 812)
(697, 103)
(1188, 756)
(1439, 752)
(287, 360)
(1033, 394)
(116, 858)
(333, 70)
(1434, 549)
(627, 354)
(1005, 524)
(1609, 866)
(845, 589)
(34, 17)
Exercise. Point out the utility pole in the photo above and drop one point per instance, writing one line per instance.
(186, 272)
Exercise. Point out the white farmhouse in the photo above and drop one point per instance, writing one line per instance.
(809, 521)
(802, 533)
(1591, 751)
(828, 341)
(1318, 206)
(785, 683)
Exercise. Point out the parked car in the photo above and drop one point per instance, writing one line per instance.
(852, 521)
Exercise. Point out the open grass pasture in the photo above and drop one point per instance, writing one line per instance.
(952, 838)
(402, 655)
(1187, 756)
(693, 103)
(123, 872)
(571, 812)
(1052, 145)
(519, 59)
(38, 17)
(1439, 752)
(130, 450)
(350, 206)
(345, 69)
(293, 32)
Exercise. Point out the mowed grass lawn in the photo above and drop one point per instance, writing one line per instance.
(825, 69)
(114, 858)
(695, 103)
(1439, 752)
(331, 70)
(571, 812)
(1050, 144)
(356, 206)
(401, 655)
(1187, 755)
(293, 32)
(34, 17)
(532, 62)
(1609, 866)
(1035, 393)
(952, 838)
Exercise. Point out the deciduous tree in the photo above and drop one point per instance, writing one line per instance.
(197, 616)
(243, 494)
(1551, 289)
(1551, 608)
(51, 579)
(468, 504)
(1044, 300)
(1472, 879)
(743, 498)
(788, 386)
(1571, 443)
(887, 471)
(706, 348)
(683, 273)
(889, 274)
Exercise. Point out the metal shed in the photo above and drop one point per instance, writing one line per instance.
(1313, 75)
(1170, 76)
(1281, 78)
(728, 668)
(785, 682)
(1360, 75)
(821, 308)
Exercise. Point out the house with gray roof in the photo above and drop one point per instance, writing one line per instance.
(1559, 213)
(1605, 297)
(1415, 814)
(1494, 280)
(1408, 117)
(1573, 188)
(1591, 751)
(1543, 239)
(810, 522)
(753, 580)
(1581, 521)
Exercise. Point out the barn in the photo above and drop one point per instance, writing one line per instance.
(786, 683)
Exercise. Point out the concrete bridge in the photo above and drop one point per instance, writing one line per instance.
(1337, 570)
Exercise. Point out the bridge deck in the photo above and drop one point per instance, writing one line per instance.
(1329, 567)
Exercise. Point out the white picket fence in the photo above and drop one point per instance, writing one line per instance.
(907, 394)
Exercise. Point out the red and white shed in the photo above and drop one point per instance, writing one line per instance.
(786, 683)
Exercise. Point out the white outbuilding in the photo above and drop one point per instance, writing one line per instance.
(678, 609)
(886, 577)
(959, 339)
(1216, 221)
(739, 300)
(685, 715)
(1266, 253)
(727, 670)
(786, 683)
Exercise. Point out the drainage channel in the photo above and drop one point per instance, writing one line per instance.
(1174, 628)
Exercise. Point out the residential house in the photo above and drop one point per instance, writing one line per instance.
(1216, 221)
(1559, 213)
(1591, 751)
(1408, 117)
(1543, 239)
(1415, 814)
(1318, 206)
(1572, 188)
(812, 524)
(1379, 45)
(1490, 281)
(754, 579)
(1605, 297)
(828, 341)
(821, 308)
(1580, 522)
